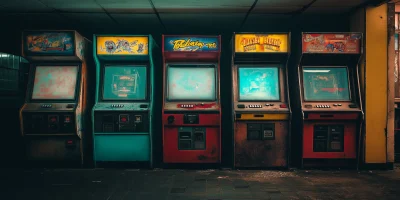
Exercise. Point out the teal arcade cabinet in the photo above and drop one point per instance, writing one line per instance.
(122, 114)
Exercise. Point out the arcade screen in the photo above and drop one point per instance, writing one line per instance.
(258, 83)
(191, 83)
(55, 83)
(125, 83)
(326, 83)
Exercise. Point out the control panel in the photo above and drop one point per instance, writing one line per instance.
(124, 122)
(191, 106)
(49, 123)
(261, 106)
(322, 106)
(328, 138)
(49, 107)
(191, 119)
(121, 106)
(46, 106)
(192, 138)
(331, 106)
(117, 105)
(187, 106)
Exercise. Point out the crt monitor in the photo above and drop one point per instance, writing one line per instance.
(124, 82)
(326, 84)
(55, 83)
(258, 83)
(191, 83)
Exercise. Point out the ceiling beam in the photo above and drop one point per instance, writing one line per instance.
(247, 14)
(158, 15)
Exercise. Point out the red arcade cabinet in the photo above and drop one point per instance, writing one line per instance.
(331, 106)
(191, 108)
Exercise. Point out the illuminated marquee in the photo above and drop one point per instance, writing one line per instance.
(261, 43)
(49, 43)
(122, 45)
(344, 43)
(195, 44)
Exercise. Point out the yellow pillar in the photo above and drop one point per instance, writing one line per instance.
(376, 84)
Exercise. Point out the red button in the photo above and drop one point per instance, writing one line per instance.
(69, 142)
(283, 106)
(123, 119)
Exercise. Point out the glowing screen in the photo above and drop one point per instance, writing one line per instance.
(125, 83)
(258, 83)
(326, 83)
(191, 83)
(55, 82)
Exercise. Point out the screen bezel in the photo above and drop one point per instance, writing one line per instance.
(77, 85)
(348, 84)
(191, 65)
(278, 66)
(102, 74)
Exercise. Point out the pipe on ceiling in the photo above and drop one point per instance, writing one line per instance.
(247, 14)
(158, 15)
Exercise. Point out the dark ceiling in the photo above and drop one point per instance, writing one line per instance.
(173, 16)
(166, 14)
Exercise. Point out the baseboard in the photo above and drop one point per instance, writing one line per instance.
(377, 166)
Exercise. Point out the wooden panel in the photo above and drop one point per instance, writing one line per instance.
(261, 153)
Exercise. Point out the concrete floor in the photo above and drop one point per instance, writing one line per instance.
(158, 184)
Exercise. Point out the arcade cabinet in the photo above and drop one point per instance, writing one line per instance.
(191, 109)
(261, 100)
(330, 99)
(122, 115)
(55, 118)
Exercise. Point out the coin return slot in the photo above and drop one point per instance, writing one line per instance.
(328, 138)
(53, 123)
(124, 119)
(262, 131)
(185, 141)
(138, 118)
(185, 135)
(121, 122)
(192, 138)
(108, 124)
(199, 140)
